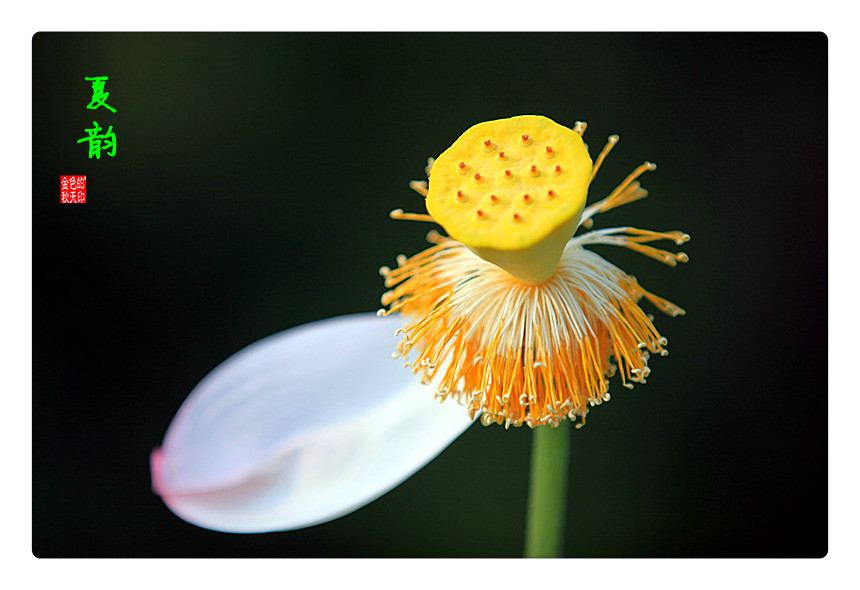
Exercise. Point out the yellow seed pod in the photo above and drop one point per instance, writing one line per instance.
(512, 191)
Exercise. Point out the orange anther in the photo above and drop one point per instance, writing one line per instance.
(534, 171)
(508, 174)
(488, 143)
(550, 194)
(517, 217)
(462, 197)
(478, 177)
(527, 198)
(558, 169)
(494, 198)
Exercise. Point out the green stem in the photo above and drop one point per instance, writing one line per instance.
(545, 518)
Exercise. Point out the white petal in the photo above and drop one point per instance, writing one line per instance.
(300, 428)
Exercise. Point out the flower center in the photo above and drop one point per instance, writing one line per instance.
(513, 191)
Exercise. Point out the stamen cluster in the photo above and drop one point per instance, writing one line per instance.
(521, 353)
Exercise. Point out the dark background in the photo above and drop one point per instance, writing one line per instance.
(250, 192)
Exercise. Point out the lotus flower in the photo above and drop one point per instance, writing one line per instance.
(509, 314)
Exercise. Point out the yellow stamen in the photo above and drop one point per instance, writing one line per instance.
(399, 214)
(610, 143)
(419, 186)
